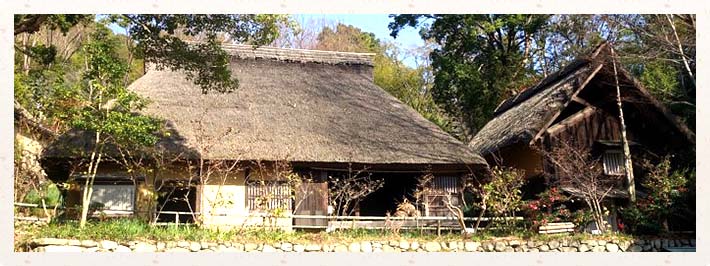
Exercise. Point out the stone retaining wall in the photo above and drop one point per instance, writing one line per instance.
(560, 245)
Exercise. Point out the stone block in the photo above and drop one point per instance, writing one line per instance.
(432, 247)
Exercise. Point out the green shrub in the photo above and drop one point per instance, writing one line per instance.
(667, 197)
(47, 191)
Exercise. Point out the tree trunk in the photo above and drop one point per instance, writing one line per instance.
(89, 184)
(680, 49)
(624, 141)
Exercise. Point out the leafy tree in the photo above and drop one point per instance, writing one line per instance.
(662, 54)
(155, 41)
(47, 90)
(481, 59)
(501, 196)
(25, 23)
(107, 109)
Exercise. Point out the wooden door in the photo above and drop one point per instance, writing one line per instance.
(311, 199)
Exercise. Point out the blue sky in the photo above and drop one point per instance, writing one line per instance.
(374, 23)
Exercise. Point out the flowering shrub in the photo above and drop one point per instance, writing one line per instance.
(666, 193)
(549, 207)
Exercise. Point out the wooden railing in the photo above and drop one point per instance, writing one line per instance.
(334, 221)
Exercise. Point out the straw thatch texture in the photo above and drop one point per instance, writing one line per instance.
(520, 118)
(297, 105)
(520, 123)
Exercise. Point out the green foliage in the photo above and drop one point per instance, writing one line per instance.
(553, 206)
(25, 23)
(502, 197)
(479, 59)
(661, 79)
(484, 59)
(153, 38)
(134, 229)
(667, 197)
(206, 63)
(52, 92)
(348, 38)
(45, 54)
(548, 207)
(106, 106)
(504, 190)
(47, 191)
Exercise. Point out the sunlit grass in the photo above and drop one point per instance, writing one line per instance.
(131, 229)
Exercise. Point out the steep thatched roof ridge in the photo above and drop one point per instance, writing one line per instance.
(297, 110)
(521, 122)
(521, 117)
(554, 77)
(298, 55)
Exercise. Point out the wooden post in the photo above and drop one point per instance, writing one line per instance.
(438, 227)
(177, 220)
(624, 142)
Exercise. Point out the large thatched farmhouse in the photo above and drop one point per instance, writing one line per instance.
(318, 111)
(577, 106)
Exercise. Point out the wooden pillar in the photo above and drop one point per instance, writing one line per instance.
(624, 141)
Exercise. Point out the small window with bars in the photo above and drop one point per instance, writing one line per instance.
(267, 195)
(614, 162)
(446, 184)
(443, 190)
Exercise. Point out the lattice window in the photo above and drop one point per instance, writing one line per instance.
(443, 189)
(268, 195)
(446, 184)
(614, 162)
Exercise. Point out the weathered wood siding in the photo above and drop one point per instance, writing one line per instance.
(587, 129)
(311, 199)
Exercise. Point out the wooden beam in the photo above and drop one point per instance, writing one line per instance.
(576, 98)
(584, 113)
(549, 122)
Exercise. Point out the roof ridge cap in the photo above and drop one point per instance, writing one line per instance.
(266, 47)
(299, 55)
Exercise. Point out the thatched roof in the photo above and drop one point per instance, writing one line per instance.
(520, 118)
(300, 106)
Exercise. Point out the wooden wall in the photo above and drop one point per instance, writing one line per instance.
(586, 127)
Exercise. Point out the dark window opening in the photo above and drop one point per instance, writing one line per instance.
(613, 161)
(176, 199)
(397, 187)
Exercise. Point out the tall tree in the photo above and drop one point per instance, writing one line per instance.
(481, 59)
(107, 110)
(153, 36)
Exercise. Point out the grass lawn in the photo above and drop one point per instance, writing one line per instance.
(131, 229)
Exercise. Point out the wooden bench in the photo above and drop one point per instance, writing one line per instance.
(557, 228)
